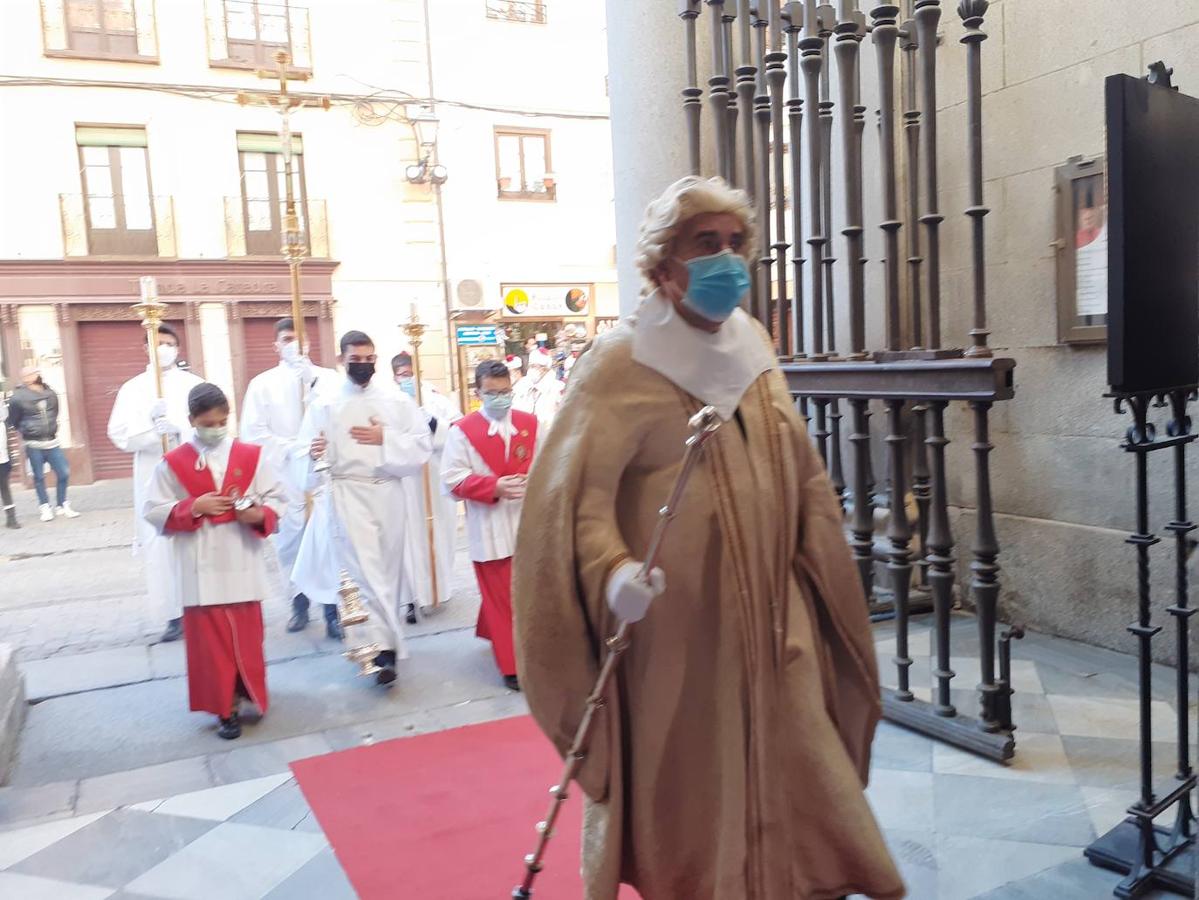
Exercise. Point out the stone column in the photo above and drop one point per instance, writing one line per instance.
(647, 71)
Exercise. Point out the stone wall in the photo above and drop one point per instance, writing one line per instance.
(1062, 487)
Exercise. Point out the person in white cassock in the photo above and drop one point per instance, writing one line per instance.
(372, 436)
(540, 391)
(441, 413)
(215, 499)
(271, 414)
(139, 421)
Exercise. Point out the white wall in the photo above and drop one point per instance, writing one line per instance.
(382, 230)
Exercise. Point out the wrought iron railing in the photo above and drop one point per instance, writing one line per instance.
(88, 231)
(314, 221)
(529, 11)
(771, 86)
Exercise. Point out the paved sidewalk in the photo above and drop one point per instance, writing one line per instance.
(961, 828)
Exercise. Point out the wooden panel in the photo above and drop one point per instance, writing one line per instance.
(110, 354)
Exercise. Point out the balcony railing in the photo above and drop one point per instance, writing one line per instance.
(246, 34)
(313, 217)
(529, 11)
(81, 237)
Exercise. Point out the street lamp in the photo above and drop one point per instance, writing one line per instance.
(426, 124)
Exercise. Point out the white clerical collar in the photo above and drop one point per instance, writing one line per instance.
(204, 453)
(503, 427)
(717, 369)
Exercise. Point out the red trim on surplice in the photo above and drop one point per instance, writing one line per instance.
(239, 475)
(480, 486)
(224, 642)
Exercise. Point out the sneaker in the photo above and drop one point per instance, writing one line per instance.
(66, 512)
(47, 512)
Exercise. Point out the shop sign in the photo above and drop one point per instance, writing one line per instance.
(478, 336)
(532, 301)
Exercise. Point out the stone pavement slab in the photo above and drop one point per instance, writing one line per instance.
(85, 672)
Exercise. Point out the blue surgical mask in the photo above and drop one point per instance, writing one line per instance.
(716, 285)
(407, 385)
(497, 405)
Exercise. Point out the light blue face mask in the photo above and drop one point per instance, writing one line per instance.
(407, 385)
(497, 405)
(716, 284)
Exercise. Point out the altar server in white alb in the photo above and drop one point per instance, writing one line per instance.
(441, 412)
(139, 421)
(540, 391)
(271, 414)
(372, 437)
(214, 499)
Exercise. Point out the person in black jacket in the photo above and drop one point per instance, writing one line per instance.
(33, 412)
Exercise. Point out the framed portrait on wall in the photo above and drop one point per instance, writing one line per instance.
(1081, 244)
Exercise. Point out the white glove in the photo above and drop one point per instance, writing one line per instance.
(165, 427)
(159, 409)
(629, 596)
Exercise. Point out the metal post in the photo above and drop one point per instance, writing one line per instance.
(811, 47)
(850, 30)
(985, 586)
(972, 12)
(692, 93)
(911, 131)
(762, 117)
(900, 534)
(718, 94)
(776, 78)
(794, 15)
(729, 17)
(940, 555)
(862, 525)
(747, 75)
(1181, 528)
(928, 15)
(886, 33)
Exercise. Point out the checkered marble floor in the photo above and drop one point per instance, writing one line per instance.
(962, 828)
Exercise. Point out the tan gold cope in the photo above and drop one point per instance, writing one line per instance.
(730, 760)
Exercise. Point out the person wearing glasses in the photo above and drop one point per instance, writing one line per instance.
(485, 463)
(368, 435)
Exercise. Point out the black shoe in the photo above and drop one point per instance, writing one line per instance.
(230, 728)
(512, 683)
(10, 516)
(385, 675)
(174, 631)
(299, 614)
(411, 620)
(333, 629)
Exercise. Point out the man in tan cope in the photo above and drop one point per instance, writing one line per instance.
(730, 760)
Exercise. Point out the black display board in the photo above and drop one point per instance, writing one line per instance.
(1153, 240)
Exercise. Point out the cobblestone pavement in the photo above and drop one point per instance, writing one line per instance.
(73, 586)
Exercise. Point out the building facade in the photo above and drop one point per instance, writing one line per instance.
(136, 158)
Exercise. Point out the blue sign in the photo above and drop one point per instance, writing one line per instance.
(478, 336)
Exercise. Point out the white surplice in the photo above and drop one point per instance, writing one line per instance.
(490, 527)
(131, 429)
(361, 523)
(542, 398)
(218, 563)
(271, 414)
(445, 509)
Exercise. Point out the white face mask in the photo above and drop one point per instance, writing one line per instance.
(290, 353)
(167, 355)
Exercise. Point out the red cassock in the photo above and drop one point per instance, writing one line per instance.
(495, 576)
(224, 641)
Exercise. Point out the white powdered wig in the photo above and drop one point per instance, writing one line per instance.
(685, 199)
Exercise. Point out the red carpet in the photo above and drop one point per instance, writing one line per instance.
(446, 816)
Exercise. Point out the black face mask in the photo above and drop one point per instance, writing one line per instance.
(360, 372)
